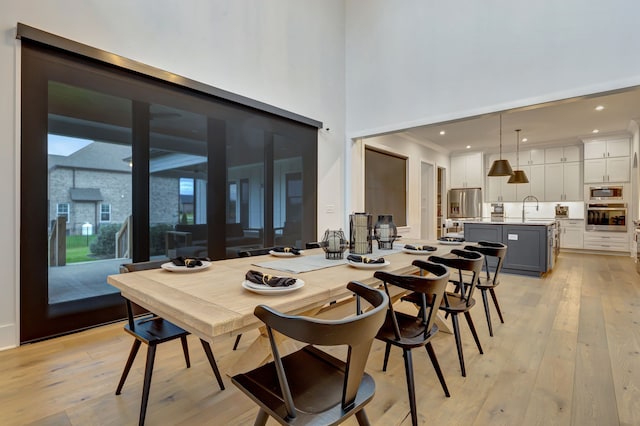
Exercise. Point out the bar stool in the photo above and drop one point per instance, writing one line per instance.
(498, 251)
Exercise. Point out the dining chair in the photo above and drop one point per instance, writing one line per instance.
(309, 386)
(459, 301)
(408, 331)
(499, 252)
(153, 330)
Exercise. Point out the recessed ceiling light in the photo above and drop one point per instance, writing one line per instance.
(524, 139)
(442, 132)
(595, 131)
(468, 146)
(599, 108)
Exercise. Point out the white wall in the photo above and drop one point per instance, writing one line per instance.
(288, 53)
(417, 62)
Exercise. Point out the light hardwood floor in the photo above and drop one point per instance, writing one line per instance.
(568, 354)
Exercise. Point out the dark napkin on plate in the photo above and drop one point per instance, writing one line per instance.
(364, 259)
(420, 248)
(189, 262)
(270, 280)
(293, 250)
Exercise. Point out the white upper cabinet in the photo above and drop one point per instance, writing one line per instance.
(606, 148)
(607, 160)
(531, 157)
(562, 154)
(562, 182)
(535, 187)
(466, 171)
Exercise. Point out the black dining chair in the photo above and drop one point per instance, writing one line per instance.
(497, 251)
(469, 266)
(408, 331)
(310, 386)
(154, 330)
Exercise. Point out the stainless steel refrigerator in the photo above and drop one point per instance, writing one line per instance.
(464, 203)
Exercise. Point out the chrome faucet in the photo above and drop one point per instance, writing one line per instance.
(529, 198)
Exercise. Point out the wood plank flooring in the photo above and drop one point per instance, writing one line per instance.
(568, 354)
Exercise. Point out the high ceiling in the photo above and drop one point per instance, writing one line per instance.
(564, 121)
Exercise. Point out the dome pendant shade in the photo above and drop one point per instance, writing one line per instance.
(518, 176)
(500, 168)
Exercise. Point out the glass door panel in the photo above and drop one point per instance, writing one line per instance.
(177, 183)
(89, 190)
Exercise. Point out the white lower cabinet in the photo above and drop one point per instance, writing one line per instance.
(572, 233)
(607, 241)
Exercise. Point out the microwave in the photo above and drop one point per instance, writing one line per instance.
(601, 193)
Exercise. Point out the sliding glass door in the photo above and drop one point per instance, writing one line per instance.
(118, 167)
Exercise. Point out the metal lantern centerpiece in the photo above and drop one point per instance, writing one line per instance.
(360, 233)
(385, 231)
(334, 243)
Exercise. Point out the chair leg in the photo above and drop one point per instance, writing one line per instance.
(235, 344)
(495, 302)
(148, 370)
(127, 366)
(408, 367)
(261, 418)
(467, 315)
(212, 361)
(436, 366)
(185, 349)
(362, 418)
(456, 334)
(387, 350)
(485, 302)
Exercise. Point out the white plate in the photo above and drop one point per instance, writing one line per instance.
(283, 254)
(451, 243)
(361, 265)
(169, 266)
(265, 289)
(410, 251)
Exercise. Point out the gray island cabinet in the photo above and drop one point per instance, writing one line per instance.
(529, 244)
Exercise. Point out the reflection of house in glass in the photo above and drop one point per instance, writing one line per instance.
(91, 185)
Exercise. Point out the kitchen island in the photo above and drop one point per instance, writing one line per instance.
(530, 243)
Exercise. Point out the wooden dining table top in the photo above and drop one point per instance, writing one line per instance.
(211, 303)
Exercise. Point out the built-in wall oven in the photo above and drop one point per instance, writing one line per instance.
(606, 217)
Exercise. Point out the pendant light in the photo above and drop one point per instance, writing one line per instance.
(500, 167)
(518, 176)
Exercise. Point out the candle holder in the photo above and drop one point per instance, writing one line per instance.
(334, 243)
(360, 233)
(385, 231)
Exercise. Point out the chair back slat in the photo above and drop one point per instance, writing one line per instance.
(356, 332)
(430, 288)
(491, 249)
(463, 260)
(134, 267)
